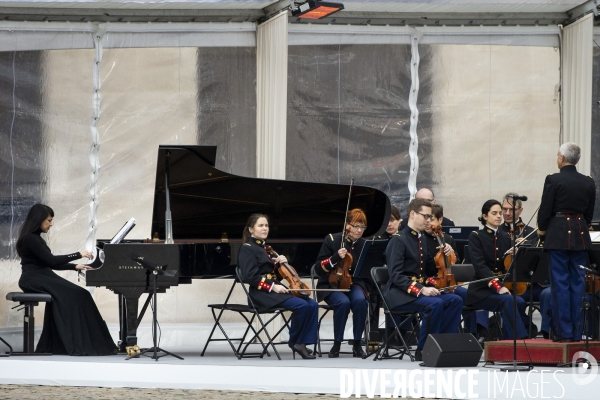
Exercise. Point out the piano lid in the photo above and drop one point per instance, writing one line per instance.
(207, 202)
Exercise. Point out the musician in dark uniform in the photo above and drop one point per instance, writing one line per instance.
(522, 231)
(333, 250)
(437, 211)
(427, 194)
(487, 248)
(565, 214)
(412, 278)
(525, 236)
(258, 271)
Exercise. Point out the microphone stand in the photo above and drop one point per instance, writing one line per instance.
(514, 366)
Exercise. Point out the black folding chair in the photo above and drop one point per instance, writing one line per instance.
(466, 273)
(256, 316)
(241, 309)
(381, 276)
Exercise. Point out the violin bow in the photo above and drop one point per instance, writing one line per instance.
(346, 216)
(467, 283)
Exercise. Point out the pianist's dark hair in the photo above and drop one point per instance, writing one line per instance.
(485, 209)
(251, 222)
(36, 215)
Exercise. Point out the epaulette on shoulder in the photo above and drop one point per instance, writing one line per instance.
(246, 244)
(331, 237)
(475, 232)
(396, 234)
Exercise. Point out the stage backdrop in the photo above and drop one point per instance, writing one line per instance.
(487, 123)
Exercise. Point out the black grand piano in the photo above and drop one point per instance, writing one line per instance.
(205, 209)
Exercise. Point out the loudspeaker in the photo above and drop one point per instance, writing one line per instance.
(451, 350)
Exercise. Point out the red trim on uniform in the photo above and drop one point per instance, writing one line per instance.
(264, 285)
(580, 231)
(431, 280)
(494, 283)
(414, 289)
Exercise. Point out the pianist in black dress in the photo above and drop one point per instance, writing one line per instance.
(259, 272)
(72, 323)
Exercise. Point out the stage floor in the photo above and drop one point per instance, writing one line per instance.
(346, 376)
(220, 370)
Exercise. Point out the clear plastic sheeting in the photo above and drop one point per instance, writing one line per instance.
(44, 128)
(149, 97)
(491, 116)
(348, 116)
(595, 150)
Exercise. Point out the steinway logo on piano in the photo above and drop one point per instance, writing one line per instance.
(130, 267)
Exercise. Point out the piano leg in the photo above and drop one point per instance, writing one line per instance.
(128, 317)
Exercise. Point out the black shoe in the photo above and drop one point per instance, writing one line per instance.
(335, 350)
(418, 355)
(545, 335)
(534, 331)
(357, 351)
(303, 351)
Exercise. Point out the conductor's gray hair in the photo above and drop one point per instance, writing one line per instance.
(571, 152)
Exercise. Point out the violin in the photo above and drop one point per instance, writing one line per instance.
(340, 277)
(287, 272)
(443, 262)
(508, 260)
(592, 284)
(521, 286)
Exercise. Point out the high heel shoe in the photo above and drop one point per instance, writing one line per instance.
(303, 351)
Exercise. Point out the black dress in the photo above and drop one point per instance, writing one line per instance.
(72, 323)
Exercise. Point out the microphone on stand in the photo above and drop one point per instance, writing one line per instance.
(591, 271)
(522, 198)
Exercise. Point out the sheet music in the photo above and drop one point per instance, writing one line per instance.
(123, 232)
(98, 259)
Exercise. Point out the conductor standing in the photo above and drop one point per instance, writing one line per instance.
(565, 213)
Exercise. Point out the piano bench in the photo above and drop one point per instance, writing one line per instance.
(28, 301)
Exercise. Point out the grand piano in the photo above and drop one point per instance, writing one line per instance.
(198, 218)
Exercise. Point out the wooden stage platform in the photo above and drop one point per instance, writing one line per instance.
(537, 351)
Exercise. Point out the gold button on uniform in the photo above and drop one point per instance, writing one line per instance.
(569, 232)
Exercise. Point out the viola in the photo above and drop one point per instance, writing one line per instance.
(508, 260)
(339, 277)
(592, 284)
(521, 286)
(287, 272)
(445, 279)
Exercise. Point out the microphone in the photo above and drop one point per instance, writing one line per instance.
(522, 198)
(591, 271)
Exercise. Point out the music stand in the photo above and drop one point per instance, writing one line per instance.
(531, 267)
(155, 270)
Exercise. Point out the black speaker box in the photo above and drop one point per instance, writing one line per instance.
(451, 350)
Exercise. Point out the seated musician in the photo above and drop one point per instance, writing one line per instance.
(524, 234)
(259, 272)
(412, 278)
(427, 194)
(333, 250)
(437, 212)
(487, 248)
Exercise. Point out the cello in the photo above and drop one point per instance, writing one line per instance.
(287, 272)
(340, 277)
(444, 279)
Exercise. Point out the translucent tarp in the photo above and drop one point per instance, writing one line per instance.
(488, 124)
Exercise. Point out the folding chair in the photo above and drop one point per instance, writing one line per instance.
(10, 350)
(241, 309)
(466, 273)
(256, 316)
(380, 276)
(327, 308)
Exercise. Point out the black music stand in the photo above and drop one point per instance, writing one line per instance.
(531, 267)
(155, 270)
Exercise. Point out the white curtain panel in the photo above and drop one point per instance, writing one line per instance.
(271, 96)
(577, 62)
